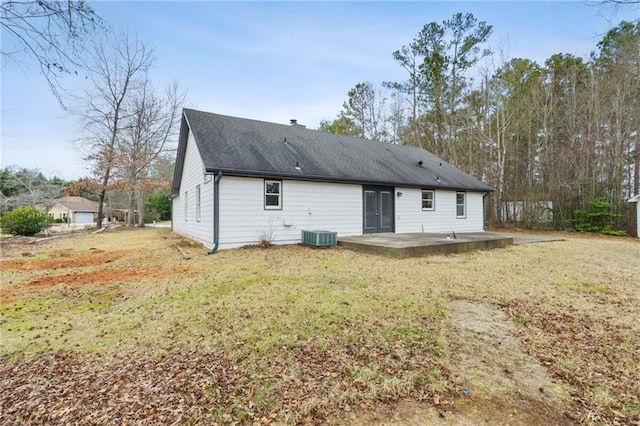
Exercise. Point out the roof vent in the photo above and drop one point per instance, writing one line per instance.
(294, 123)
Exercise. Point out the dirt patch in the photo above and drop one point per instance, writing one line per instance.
(488, 364)
(63, 260)
(468, 412)
(102, 263)
(493, 379)
(103, 276)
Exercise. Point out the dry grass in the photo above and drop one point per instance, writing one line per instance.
(314, 331)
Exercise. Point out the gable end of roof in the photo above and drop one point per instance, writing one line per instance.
(182, 150)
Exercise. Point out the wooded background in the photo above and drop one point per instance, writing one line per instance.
(553, 139)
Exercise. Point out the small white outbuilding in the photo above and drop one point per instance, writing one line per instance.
(636, 200)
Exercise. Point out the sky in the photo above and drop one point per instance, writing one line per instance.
(276, 61)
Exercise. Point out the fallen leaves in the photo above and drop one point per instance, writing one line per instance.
(300, 384)
(598, 358)
(65, 388)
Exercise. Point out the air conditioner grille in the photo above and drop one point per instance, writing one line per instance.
(319, 238)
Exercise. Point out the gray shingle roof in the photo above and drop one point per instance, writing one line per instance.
(244, 147)
(78, 204)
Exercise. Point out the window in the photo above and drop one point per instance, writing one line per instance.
(273, 194)
(428, 199)
(386, 200)
(461, 210)
(198, 203)
(186, 206)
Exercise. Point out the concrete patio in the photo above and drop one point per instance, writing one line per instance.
(423, 244)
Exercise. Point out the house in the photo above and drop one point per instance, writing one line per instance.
(239, 181)
(73, 209)
(636, 200)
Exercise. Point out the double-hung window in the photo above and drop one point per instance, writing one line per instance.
(273, 195)
(428, 199)
(461, 206)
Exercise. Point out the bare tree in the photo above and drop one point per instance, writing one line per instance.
(117, 72)
(396, 120)
(619, 63)
(27, 187)
(152, 125)
(409, 58)
(50, 31)
(364, 114)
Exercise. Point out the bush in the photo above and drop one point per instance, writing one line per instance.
(597, 217)
(24, 221)
(608, 230)
(158, 207)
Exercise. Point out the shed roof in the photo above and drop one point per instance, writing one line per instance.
(244, 147)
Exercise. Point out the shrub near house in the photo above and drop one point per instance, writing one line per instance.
(24, 221)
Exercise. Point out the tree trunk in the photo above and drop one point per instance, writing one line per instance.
(103, 192)
(131, 219)
(140, 203)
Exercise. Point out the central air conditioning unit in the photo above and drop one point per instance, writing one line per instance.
(319, 238)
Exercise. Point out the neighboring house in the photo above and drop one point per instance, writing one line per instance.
(239, 181)
(521, 211)
(74, 210)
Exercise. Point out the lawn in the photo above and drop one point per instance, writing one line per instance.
(119, 327)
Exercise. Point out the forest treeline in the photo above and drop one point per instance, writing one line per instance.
(553, 139)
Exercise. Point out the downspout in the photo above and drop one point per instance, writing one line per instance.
(484, 211)
(171, 197)
(216, 212)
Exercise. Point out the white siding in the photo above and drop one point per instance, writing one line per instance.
(411, 218)
(193, 176)
(305, 205)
